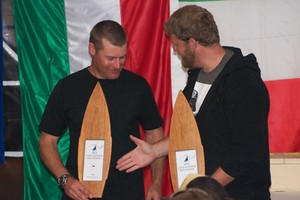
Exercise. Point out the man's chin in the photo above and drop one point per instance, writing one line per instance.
(113, 77)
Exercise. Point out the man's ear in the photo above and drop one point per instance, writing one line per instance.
(92, 49)
(192, 42)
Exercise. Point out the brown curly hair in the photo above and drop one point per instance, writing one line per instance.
(195, 22)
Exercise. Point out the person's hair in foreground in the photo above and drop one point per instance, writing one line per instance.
(110, 30)
(190, 194)
(212, 187)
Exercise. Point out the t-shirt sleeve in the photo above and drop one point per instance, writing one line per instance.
(53, 121)
(150, 117)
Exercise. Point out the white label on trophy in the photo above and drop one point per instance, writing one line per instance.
(186, 163)
(93, 160)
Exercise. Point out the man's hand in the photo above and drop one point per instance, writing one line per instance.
(140, 157)
(222, 177)
(74, 189)
(154, 192)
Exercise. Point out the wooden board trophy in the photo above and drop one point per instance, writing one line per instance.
(186, 154)
(94, 147)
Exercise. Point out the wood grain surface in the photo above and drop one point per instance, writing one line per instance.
(96, 125)
(184, 135)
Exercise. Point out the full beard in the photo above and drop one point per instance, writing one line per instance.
(187, 59)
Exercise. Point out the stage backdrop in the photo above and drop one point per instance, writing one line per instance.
(271, 30)
(52, 41)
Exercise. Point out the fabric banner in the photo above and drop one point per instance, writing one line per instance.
(284, 116)
(150, 58)
(1, 98)
(270, 30)
(52, 40)
(43, 60)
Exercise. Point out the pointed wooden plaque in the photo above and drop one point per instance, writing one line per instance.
(95, 128)
(185, 150)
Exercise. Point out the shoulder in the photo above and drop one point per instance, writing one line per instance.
(133, 79)
(134, 83)
(241, 74)
(76, 75)
(240, 68)
(129, 74)
(75, 78)
(79, 81)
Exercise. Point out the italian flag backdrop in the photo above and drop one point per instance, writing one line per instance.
(52, 38)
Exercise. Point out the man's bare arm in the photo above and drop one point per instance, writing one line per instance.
(157, 166)
(50, 156)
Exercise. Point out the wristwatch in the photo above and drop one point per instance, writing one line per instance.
(62, 180)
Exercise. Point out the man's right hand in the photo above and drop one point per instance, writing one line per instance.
(139, 157)
(76, 190)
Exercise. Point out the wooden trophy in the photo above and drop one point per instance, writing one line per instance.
(94, 147)
(186, 154)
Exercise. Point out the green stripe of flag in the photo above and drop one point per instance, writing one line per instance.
(43, 60)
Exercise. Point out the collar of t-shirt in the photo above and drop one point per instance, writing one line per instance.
(205, 81)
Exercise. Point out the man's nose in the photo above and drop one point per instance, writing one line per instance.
(117, 63)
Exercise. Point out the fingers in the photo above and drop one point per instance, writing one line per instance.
(125, 162)
(154, 192)
(123, 165)
(130, 166)
(131, 169)
(153, 195)
(137, 158)
(85, 193)
(79, 193)
(76, 190)
(124, 159)
(136, 140)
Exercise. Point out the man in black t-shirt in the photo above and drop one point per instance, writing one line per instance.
(130, 103)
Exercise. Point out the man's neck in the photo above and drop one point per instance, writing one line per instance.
(210, 57)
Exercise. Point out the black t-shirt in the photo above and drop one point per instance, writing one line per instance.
(130, 103)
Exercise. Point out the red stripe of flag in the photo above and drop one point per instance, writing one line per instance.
(284, 116)
(149, 56)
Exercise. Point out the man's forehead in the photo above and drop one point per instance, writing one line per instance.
(107, 43)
